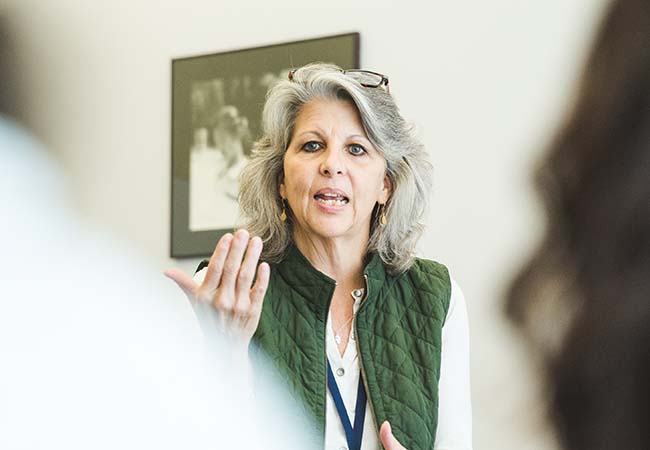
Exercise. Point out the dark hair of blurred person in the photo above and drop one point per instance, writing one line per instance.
(584, 297)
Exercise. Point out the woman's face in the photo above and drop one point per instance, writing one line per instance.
(333, 175)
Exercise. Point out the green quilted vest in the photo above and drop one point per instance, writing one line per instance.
(398, 333)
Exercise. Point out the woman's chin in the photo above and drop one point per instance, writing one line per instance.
(334, 229)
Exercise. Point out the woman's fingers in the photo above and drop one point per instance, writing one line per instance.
(183, 281)
(247, 270)
(259, 290)
(216, 265)
(233, 260)
(387, 438)
(226, 289)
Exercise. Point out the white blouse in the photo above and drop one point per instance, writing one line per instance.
(454, 409)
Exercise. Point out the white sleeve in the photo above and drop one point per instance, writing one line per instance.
(455, 405)
(204, 314)
(209, 324)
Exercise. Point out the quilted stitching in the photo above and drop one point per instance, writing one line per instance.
(297, 335)
(398, 332)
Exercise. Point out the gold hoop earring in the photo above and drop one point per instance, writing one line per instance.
(382, 215)
(283, 214)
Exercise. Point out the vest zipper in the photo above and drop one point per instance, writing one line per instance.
(363, 372)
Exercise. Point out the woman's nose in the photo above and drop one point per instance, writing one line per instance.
(332, 163)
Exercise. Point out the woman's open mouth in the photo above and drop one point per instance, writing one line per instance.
(331, 200)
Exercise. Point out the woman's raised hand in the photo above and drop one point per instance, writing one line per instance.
(227, 288)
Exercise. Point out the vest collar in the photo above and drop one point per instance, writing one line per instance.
(299, 272)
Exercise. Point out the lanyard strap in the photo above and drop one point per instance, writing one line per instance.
(352, 435)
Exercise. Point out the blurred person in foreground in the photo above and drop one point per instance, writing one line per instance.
(584, 298)
(372, 340)
(95, 352)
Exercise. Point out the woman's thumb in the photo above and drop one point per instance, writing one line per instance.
(387, 438)
(181, 279)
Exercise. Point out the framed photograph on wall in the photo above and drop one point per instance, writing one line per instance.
(217, 103)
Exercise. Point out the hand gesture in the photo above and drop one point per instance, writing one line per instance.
(387, 439)
(227, 288)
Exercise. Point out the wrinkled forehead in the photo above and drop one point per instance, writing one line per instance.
(330, 119)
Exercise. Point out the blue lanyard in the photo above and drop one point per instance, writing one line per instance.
(352, 435)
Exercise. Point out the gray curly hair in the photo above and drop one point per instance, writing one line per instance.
(407, 164)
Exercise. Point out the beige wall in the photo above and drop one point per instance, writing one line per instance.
(485, 82)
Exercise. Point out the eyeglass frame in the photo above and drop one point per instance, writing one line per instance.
(382, 82)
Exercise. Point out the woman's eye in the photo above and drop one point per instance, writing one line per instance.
(311, 146)
(356, 150)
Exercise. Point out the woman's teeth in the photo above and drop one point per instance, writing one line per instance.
(332, 201)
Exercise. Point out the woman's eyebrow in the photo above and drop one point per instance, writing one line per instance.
(321, 135)
(315, 132)
(358, 136)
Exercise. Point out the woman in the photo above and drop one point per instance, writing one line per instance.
(334, 194)
(583, 299)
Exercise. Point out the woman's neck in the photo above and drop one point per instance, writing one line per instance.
(340, 259)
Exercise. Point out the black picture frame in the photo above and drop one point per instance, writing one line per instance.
(214, 97)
